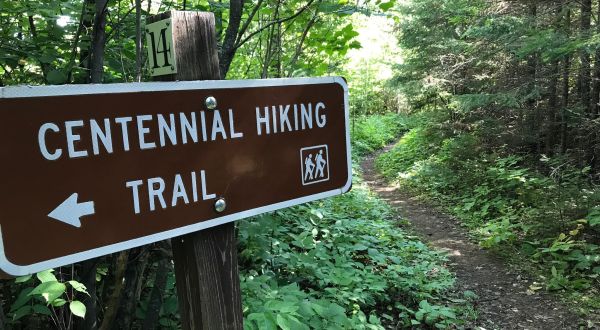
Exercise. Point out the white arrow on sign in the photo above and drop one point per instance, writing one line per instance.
(70, 211)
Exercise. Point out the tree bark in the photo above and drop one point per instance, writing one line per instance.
(87, 22)
(552, 106)
(134, 278)
(75, 47)
(206, 270)
(596, 80)
(300, 44)
(531, 120)
(98, 43)
(138, 40)
(566, 74)
(114, 299)
(45, 67)
(228, 48)
(88, 278)
(157, 293)
(584, 57)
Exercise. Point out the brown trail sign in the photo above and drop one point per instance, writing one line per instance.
(90, 170)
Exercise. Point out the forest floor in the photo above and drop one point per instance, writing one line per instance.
(504, 300)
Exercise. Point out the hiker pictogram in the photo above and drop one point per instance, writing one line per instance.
(315, 164)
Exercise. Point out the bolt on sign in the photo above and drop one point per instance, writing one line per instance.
(161, 56)
(89, 170)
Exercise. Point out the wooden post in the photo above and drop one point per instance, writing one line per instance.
(206, 270)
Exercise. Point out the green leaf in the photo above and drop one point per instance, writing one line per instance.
(56, 77)
(385, 6)
(49, 290)
(360, 247)
(41, 309)
(78, 287)
(165, 322)
(23, 279)
(594, 221)
(46, 276)
(283, 322)
(170, 305)
(25, 310)
(21, 300)
(77, 308)
(286, 321)
(46, 58)
(58, 302)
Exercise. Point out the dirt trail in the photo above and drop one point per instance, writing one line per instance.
(503, 302)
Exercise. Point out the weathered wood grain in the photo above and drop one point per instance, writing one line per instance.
(206, 270)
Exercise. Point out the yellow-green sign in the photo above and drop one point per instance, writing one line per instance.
(161, 53)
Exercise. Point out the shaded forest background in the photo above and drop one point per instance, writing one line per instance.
(526, 73)
(504, 104)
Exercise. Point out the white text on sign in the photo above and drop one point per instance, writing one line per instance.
(109, 135)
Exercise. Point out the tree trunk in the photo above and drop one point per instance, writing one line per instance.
(565, 89)
(87, 276)
(552, 107)
(98, 43)
(88, 267)
(596, 80)
(584, 57)
(156, 295)
(114, 299)
(87, 21)
(228, 48)
(530, 127)
(273, 46)
(300, 45)
(134, 278)
(138, 40)
(279, 50)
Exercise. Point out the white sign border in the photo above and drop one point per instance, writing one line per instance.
(60, 90)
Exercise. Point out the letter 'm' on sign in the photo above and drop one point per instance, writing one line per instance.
(159, 41)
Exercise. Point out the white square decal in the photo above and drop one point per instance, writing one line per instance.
(314, 162)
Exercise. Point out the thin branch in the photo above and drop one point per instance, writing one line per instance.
(34, 34)
(110, 35)
(248, 21)
(300, 45)
(239, 44)
(138, 39)
(76, 42)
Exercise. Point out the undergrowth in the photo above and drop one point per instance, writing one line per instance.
(343, 263)
(370, 133)
(545, 211)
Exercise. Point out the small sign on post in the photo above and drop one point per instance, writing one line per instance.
(161, 50)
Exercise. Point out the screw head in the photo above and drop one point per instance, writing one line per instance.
(211, 103)
(220, 205)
